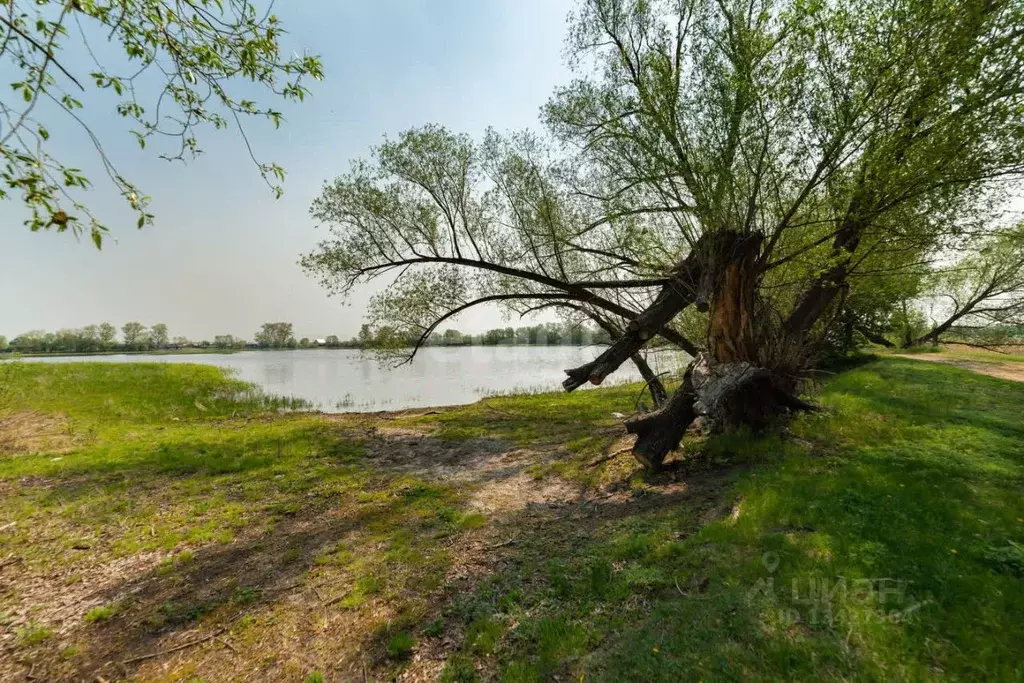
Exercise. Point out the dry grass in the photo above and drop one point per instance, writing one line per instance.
(29, 431)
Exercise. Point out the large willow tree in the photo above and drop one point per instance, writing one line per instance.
(735, 176)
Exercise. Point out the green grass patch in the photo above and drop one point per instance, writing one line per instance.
(882, 539)
(32, 634)
(103, 612)
(400, 645)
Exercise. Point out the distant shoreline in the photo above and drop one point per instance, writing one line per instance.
(153, 352)
(193, 351)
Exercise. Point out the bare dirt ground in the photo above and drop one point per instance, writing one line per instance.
(291, 621)
(27, 431)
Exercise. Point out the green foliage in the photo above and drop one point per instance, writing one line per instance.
(817, 127)
(187, 56)
(158, 336)
(32, 634)
(400, 645)
(135, 335)
(103, 613)
(275, 336)
(477, 223)
(980, 297)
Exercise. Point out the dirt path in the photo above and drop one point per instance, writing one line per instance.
(282, 597)
(1011, 371)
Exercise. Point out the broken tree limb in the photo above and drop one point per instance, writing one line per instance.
(679, 293)
(719, 256)
(183, 646)
(606, 458)
(652, 382)
(874, 337)
(660, 432)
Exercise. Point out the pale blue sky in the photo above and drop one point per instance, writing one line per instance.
(221, 258)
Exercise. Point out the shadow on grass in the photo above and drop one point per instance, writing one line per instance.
(871, 546)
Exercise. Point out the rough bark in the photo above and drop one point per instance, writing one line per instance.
(727, 395)
(827, 286)
(679, 293)
(731, 321)
(654, 384)
(658, 433)
(735, 394)
(727, 384)
(694, 280)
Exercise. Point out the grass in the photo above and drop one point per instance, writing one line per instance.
(882, 539)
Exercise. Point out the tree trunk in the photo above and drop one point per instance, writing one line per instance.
(660, 432)
(695, 280)
(680, 292)
(653, 382)
(731, 395)
(731, 321)
(729, 385)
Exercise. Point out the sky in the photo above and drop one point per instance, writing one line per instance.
(222, 255)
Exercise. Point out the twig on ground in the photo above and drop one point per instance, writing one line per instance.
(335, 600)
(511, 541)
(11, 559)
(297, 584)
(610, 456)
(226, 644)
(183, 646)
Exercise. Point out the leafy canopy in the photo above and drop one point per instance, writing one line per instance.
(180, 66)
(862, 141)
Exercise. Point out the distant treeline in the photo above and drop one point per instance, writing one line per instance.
(545, 334)
(135, 336)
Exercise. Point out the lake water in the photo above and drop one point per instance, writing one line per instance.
(342, 380)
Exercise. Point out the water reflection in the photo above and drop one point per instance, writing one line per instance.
(338, 380)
